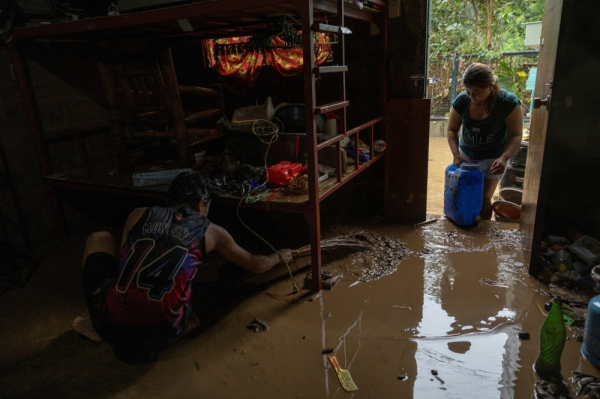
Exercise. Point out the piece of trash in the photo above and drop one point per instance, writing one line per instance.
(343, 375)
(401, 307)
(304, 337)
(310, 299)
(243, 352)
(568, 321)
(492, 283)
(328, 315)
(579, 338)
(549, 390)
(255, 364)
(401, 377)
(425, 222)
(588, 384)
(523, 335)
(435, 374)
(253, 377)
(329, 283)
(257, 325)
(327, 351)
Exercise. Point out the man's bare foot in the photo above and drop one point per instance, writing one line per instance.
(85, 328)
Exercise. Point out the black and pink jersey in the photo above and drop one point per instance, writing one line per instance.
(159, 261)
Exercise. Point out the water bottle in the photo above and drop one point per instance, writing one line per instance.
(562, 260)
(379, 146)
(552, 341)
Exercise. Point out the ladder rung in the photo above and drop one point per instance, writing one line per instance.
(318, 27)
(323, 109)
(330, 69)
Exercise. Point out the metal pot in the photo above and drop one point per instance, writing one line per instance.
(293, 119)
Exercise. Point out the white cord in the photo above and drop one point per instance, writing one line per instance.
(266, 128)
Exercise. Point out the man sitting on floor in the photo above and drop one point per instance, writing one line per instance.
(140, 302)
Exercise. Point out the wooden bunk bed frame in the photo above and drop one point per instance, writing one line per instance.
(217, 19)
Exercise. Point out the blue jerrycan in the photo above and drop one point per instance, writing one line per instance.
(463, 193)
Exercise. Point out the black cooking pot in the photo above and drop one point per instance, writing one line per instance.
(294, 120)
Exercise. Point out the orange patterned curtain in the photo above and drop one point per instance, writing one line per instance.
(239, 62)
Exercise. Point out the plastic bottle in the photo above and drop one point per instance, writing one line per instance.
(552, 341)
(562, 261)
(379, 146)
(591, 333)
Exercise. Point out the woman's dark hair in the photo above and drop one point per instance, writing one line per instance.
(482, 75)
(188, 189)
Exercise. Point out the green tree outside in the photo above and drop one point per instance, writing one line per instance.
(484, 29)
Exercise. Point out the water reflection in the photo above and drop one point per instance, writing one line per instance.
(485, 363)
(464, 334)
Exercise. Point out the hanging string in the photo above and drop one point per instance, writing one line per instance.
(262, 129)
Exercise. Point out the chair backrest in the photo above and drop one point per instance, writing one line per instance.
(141, 85)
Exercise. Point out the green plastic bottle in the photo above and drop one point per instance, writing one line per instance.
(552, 341)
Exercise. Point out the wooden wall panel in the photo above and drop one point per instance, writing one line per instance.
(406, 160)
(535, 189)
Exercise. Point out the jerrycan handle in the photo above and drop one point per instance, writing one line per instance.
(469, 166)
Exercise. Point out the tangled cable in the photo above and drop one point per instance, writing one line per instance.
(263, 128)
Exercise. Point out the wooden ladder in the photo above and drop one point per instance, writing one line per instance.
(312, 110)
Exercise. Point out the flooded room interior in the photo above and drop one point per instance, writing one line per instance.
(225, 199)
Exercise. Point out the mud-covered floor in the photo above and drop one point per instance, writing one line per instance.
(454, 305)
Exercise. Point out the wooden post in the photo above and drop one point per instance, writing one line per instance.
(314, 219)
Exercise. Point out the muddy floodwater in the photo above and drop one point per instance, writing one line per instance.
(426, 312)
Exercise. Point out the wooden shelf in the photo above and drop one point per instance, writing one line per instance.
(216, 19)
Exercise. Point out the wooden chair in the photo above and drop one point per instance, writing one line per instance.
(145, 104)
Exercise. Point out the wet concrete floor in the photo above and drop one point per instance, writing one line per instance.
(454, 305)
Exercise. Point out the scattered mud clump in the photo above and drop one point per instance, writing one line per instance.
(381, 255)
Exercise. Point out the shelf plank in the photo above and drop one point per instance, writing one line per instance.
(317, 27)
(323, 109)
(330, 69)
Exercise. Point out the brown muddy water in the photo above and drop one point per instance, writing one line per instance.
(442, 324)
(427, 312)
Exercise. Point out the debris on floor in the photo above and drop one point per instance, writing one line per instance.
(589, 385)
(492, 283)
(258, 325)
(343, 375)
(549, 390)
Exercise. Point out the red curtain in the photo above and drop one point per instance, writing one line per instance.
(245, 64)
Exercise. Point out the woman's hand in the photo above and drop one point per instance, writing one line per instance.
(498, 166)
(458, 159)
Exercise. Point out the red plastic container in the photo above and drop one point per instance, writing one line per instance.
(283, 172)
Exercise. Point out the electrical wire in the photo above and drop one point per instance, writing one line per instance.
(265, 128)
